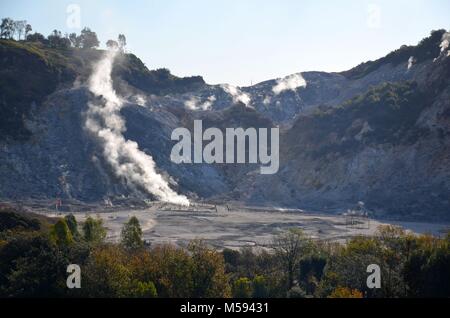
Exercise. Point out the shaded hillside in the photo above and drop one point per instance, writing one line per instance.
(384, 115)
(30, 71)
(27, 75)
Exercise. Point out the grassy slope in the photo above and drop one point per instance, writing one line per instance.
(16, 220)
(28, 73)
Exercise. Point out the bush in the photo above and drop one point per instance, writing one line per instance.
(144, 290)
(260, 287)
(345, 292)
(242, 288)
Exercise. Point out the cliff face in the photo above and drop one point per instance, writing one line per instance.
(389, 147)
(379, 133)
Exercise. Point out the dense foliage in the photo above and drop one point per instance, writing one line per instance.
(159, 81)
(33, 262)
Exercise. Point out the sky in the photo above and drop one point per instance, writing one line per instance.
(241, 42)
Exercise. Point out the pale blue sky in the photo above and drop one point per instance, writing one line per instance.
(244, 41)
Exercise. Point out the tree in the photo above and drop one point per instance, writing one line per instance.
(61, 233)
(106, 273)
(56, 40)
(36, 37)
(232, 259)
(93, 230)
(75, 40)
(89, 39)
(122, 42)
(32, 266)
(72, 224)
(110, 272)
(311, 270)
(260, 287)
(7, 28)
(208, 271)
(427, 270)
(171, 269)
(242, 288)
(53, 38)
(290, 247)
(143, 290)
(112, 45)
(3, 28)
(28, 29)
(132, 234)
(349, 267)
(19, 28)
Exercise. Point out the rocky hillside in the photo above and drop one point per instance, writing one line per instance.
(31, 71)
(378, 133)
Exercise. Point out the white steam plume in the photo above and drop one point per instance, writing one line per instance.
(140, 100)
(445, 41)
(267, 100)
(291, 82)
(104, 121)
(237, 94)
(194, 103)
(411, 62)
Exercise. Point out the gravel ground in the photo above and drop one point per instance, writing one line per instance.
(232, 227)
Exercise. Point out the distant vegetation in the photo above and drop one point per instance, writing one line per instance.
(427, 49)
(386, 114)
(35, 252)
(21, 30)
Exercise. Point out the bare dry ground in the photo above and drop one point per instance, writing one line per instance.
(227, 226)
